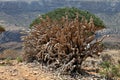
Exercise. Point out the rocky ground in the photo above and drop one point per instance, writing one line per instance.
(16, 70)
(22, 71)
(33, 71)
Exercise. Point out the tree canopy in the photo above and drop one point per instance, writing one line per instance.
(57, 14)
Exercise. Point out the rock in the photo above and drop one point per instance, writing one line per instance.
(35, 72)
(31, 65)
(14, 72)
(2, 62)
(1, 72)
(26, 75)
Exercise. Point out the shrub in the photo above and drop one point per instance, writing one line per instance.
(1, 29)
(71, 12)
(62, 45)
(110, 67)
(19, 59)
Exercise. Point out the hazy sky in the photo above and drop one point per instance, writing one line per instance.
(20, 0)
(65, 0)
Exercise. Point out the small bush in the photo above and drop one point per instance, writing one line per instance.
(62, 44)
(19, 59)
(1, 29)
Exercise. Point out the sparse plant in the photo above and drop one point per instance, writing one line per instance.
(19, 59)
(62, 44)
(110, 71)
(7, 61)
(2, 29)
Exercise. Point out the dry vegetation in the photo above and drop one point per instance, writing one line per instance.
(15, 70)
(1, 29)
(110, 65)
(62, 45)
(11, 54)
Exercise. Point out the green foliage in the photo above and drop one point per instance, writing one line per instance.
(109, 70)
(1, 29)
(105, 65)
(8, 59)
(19, 59)
(57, 14)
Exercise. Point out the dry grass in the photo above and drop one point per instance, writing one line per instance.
(11, 54)
(115, 55)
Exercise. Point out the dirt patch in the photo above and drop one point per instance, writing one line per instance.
(22, 71)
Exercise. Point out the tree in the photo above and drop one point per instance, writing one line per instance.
(62, 44)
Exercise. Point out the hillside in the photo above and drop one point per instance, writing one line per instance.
(112, 21)
(23, 13)
(10, 40)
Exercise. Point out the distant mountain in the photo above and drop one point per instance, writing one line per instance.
(10, 40)
(10, 36)
(18, 7)
(111, 21)
(10, 46)
(22, 13)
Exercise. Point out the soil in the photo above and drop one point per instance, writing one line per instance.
(14, 70)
